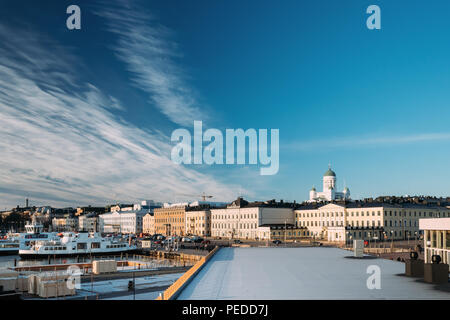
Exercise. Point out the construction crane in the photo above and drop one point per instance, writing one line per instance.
(204, 196)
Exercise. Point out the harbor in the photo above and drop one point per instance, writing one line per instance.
(126, 275)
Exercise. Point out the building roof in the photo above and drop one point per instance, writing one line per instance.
(329, 173)
(241, 203)
(301, 273)
(362, 205)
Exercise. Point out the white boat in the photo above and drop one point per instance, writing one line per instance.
(76, 244)
(34, 232)
(9, 247)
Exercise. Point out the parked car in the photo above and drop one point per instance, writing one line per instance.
(206, 242)
(197, 240)
(237, 241)
(277, 242)
(186, 239)
(168, 241)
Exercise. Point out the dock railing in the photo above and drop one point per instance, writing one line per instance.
(175, 289)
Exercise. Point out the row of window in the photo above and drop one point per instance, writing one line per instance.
(235, 216)
(165, 220)
(229, 226)
(54, 248)
(373, 213)
(116, 246)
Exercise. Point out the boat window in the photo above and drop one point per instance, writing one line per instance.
(95, 245)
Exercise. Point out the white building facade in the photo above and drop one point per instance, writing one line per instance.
(247, 222)
(122, 221)
(64, 224)
(368, 221)
(87, 224)
(148, 224)
(436, 238)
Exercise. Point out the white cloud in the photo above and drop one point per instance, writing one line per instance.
(60, 142)
(149, 54)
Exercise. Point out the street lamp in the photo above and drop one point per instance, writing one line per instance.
(415, 233)
(347, 238)
(392, 238)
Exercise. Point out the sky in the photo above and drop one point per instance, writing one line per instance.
(86, 116)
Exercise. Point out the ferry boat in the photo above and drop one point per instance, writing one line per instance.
(71, 244)
(9, 246)
(34, 232)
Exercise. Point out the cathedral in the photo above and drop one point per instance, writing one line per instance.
(329, 193)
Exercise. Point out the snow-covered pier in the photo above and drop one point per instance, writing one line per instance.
(304, 273)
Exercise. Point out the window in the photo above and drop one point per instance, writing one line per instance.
(447, 245)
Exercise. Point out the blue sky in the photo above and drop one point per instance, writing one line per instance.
(86, 116)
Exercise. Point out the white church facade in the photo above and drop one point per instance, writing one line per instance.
(329, 192)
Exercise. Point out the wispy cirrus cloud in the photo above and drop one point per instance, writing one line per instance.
(61, 142)
(145, 46)
(367, 141)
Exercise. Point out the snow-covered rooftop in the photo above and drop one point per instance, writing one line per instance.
(301, 273)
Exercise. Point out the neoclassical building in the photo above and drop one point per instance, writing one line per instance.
(329, 192)
(342, 222)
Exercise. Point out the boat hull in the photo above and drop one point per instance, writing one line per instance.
(9, 252)
(25, 256)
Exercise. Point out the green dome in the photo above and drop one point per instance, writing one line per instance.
(313, 188)
(329, 173)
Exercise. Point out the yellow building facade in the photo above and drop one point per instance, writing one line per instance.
(170, 221)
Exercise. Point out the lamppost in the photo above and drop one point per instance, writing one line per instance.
(375, 237)
(415, 233)
(347, 238)
(392, 239)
